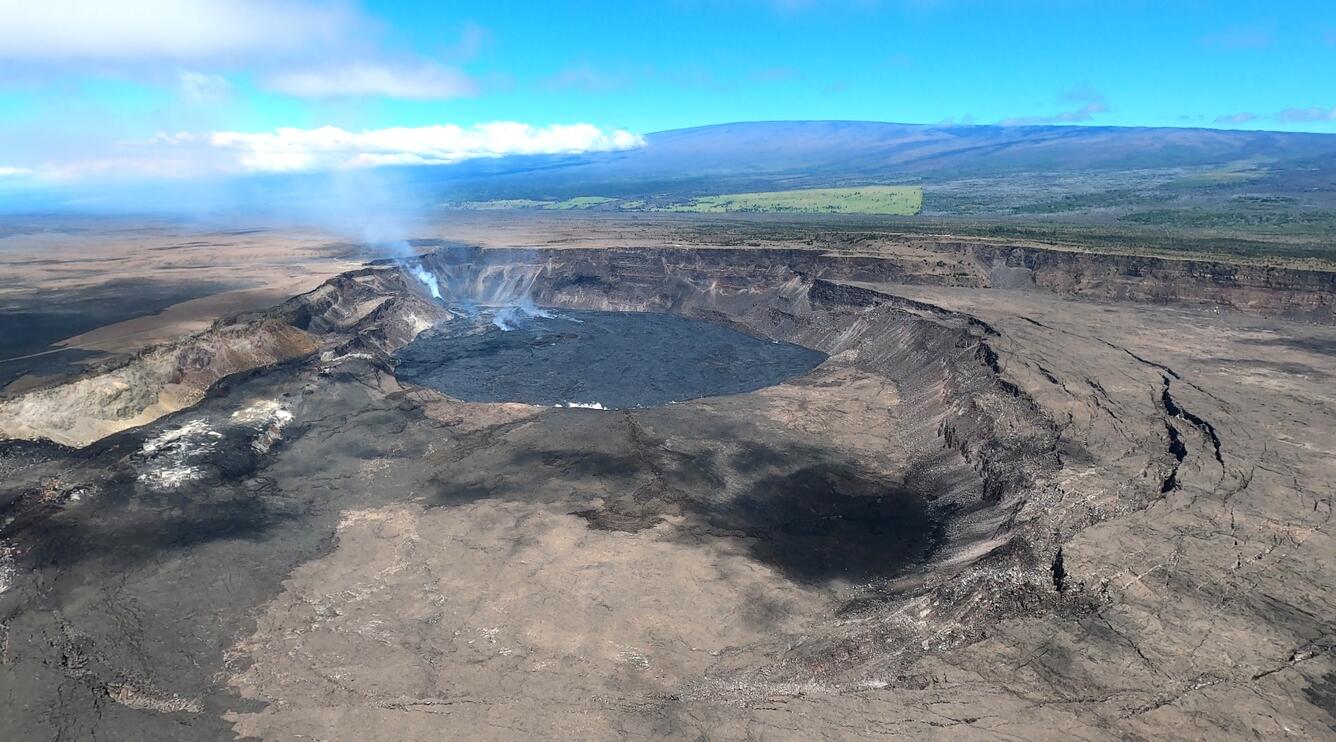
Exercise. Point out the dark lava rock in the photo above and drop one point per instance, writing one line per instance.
(616, 359)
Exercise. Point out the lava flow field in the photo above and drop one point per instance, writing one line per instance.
(600, 360)
(598, 493)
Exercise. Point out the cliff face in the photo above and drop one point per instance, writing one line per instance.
(378, 310)
(1308, 295)
(1281, 292)
(157, 382)
(365, 309)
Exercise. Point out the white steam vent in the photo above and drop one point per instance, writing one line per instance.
(501, 293)
(428, 278)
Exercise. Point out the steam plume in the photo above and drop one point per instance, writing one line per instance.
(428, 278)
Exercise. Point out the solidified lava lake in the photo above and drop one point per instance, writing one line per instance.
(615, 359)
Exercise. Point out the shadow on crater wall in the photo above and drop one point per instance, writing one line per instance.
(811, 513)
(132, 535)
(832, 521)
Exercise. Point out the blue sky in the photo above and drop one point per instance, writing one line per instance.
(92, 87)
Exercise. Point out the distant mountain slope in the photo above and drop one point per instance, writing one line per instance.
(1161, 183)
(823, 153)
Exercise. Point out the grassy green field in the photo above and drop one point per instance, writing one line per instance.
(507, 204)
(501, 204)
(579, 202)
(897, 200)
(900, 200)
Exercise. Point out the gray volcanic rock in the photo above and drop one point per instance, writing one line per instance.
(984, 514)
(613, 359)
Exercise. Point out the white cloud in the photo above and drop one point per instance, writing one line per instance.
(136, 30)
(186, 155)
(304, 48)
(334, 148)
(423, 81)
(1242, 117)
(1304, 115)
(1084, 113)
(203, 86)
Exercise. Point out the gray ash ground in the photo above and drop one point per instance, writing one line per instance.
(619, 360)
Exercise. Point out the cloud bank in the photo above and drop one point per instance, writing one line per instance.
(145, 30)
(1296, 115)
(422, 81)
(301, 48)
(328, 147)
(1304, 115)
(1084, 113)
(203, 155)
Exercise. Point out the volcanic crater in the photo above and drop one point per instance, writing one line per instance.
(392, 502)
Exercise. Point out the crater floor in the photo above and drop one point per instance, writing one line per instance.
(614, 360)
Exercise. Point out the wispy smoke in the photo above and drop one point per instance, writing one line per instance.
(428, 279)
(507, 318)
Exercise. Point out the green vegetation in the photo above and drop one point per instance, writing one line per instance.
(862, 233)
(1235, 175)
(579, 202)
(502, 204)
(1077, 202)
(1237, 214)
(506, 204)
(897, 200)
(893, 200)
(1315, 222)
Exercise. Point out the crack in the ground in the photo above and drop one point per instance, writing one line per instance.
(1172, 407)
